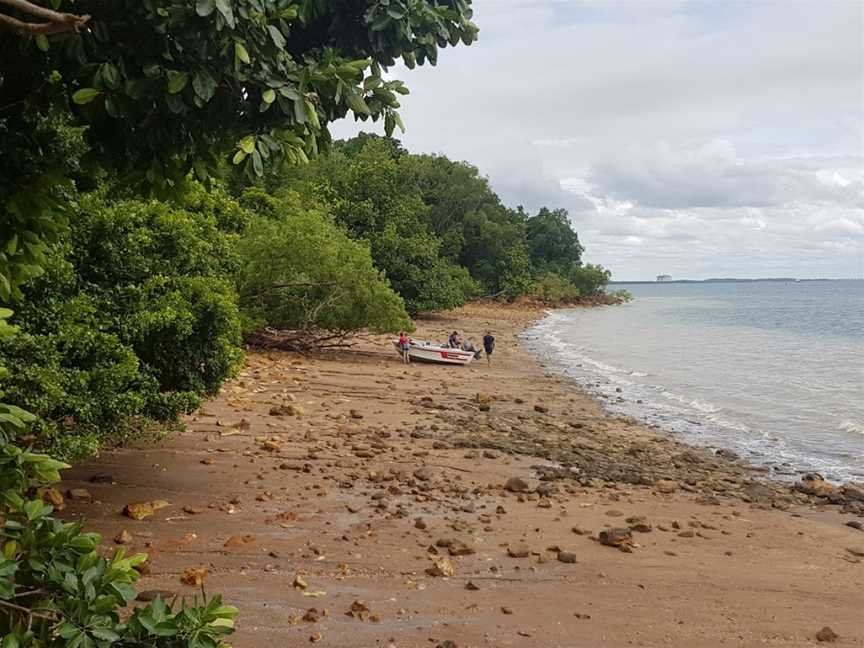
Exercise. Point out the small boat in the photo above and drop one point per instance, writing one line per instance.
(425, 351)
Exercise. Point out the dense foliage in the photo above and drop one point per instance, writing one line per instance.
(301, 271)
(436, 228)
(134, 316)
(188, 82)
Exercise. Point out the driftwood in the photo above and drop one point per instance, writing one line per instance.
(301, 340)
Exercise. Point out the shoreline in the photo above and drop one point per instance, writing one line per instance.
(458, 504)
(683, 428)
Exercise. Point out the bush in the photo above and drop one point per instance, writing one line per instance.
(301, 271)
(135, 317)
(589, 279)
(553, 289)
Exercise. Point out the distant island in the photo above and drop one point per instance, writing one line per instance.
(666, 279)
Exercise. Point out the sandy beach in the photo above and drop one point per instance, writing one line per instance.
(348, 500)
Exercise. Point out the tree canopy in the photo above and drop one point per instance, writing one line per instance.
(168, 87)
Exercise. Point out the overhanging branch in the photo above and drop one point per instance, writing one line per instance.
(56, 22)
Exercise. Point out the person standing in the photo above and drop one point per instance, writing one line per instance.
(488, 346)
(405, 347)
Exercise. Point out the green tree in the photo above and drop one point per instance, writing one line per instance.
(301, 271)
(552, 243)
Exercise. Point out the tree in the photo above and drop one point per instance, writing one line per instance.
(552, 243)
(301, 271)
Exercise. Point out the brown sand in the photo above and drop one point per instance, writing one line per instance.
(258, 499)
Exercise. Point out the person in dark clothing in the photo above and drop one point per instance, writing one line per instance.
(453, 341)
(488, 345)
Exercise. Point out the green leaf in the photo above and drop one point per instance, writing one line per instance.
(241, 54)
(224, 8)
(239, 156)
(205, 7)
(257, 163)
(203, 84)
(176, 81)
(276, 35)
(269, 96)
(85, 95)
(42, 42)
(357, 104)
(247, 144)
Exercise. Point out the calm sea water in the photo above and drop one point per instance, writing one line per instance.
(774, 371)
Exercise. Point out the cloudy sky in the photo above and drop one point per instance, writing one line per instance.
(691, 138)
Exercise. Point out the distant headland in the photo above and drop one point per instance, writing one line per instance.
(669, 279)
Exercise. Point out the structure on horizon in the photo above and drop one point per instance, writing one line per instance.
(662, 278)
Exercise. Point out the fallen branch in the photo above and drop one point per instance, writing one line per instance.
(299, 340)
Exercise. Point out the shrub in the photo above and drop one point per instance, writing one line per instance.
(589, 279)
(553, 289)
(134, 317)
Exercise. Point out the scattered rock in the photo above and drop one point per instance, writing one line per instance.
(424, 474)
(237, 541)
(194, 576)
(506, 610)
(142, 510)
(299, 582)
(666, 486)
(517, 485)
(855, 524)
(356, 414)
(459, 548)
(542, 409)
(151, 595)
(54, 497)
(518, 551)
(79, 494)
(441, 567)
(617, 537)
(858, 552)
(471, 586)
(124, 537)
(102, 478)
(566, 557)
(826, 634)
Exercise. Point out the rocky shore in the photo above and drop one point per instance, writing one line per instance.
(348, 500)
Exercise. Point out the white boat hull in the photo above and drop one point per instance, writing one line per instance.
(421, 351)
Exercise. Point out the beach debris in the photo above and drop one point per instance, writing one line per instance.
(827, 635)
(142, 510)
(517, 485)
(194, 576)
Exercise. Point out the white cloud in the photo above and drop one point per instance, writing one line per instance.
(694, 138)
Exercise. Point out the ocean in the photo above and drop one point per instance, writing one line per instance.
(773, 371)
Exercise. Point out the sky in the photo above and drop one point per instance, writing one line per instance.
(699, 139)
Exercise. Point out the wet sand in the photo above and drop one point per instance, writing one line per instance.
(349, 483)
